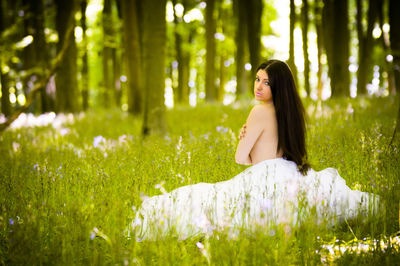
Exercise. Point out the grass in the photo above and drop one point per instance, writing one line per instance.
(65, 199)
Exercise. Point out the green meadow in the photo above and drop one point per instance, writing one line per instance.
(69, 189)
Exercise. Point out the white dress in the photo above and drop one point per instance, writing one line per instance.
(271, 192)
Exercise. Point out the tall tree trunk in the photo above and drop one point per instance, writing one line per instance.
(318, 27)
(223, 19)
(154, 39)
(182, 40)
(118, 54)
(241, 31)
(365, 44)
(305, 22)
(394, 21)
(178, 91)
(254, 12)
(85, 68)
(211, 94)
(5, 94)
(384, 41)
(39, 44)
(108, 68)
(336, 42)
(133, 58)
(66, 78)
(29, 56)
(291, 61)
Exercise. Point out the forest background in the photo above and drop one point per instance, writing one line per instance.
(140, 56)
(106, 101)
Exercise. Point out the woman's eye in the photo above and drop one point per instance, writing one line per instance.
(257, 79)
(267, 83)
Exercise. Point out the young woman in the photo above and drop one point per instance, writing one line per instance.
(279, 187)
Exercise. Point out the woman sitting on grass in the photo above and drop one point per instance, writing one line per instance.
(278, 189)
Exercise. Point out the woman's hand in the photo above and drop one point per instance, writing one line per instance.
(242, 132)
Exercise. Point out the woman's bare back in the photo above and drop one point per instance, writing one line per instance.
(266, 145)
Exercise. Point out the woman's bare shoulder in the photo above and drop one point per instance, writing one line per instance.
(260, 110)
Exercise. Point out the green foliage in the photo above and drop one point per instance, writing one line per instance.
(66, 194)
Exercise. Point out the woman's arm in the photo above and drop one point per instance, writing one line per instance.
(254, 128)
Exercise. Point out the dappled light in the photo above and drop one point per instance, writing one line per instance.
(124, 122)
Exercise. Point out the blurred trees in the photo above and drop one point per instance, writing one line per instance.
(394, 21)
(304, 30)
(131, 11)
(211, 94)
(335, 21)
(85, 66)
(154, 52)
(118, 58)
(241, 31)
(4, 24)
(67, 98)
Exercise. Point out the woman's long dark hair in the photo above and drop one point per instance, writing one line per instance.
(290, 113)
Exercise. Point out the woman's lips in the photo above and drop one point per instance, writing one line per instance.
(258, 94)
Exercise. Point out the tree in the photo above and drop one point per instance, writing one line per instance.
(154, 39)
(304, 24)
(211, 94)
(291, 61)
(66, 78)
(336, 42)
(183, 36)
(394, 21)
(36, 55)
(85, 68)
(384, 42)
(41, 83)
(241, 30)
(254, 12)
(318, 28)
(107, 59)
(110, 96)
(5, 94)
(133, 61)
(365, 43)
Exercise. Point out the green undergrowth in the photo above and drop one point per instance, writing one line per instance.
(68, 192)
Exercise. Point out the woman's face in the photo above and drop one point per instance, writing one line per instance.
(262, 89)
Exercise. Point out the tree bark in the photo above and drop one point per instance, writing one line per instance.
(35, 55)
(5, 94)
(39, 44)
(108, 40)
(241, 31)
(365, 44)
(291, 61)
(254, 12)
(29, 56)
(394, 21)
(384, 41)
(336, 42)
(133, 58)
(305, 22)
(66, 78)
(211, 94)
(318, 27)
(85, 68)
(154, 39)
(182, 43)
